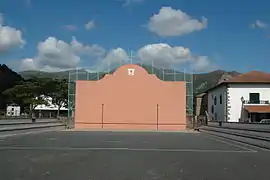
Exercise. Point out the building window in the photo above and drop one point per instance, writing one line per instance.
(254, 98)
(220, 99)
(215, 101)
(215, 116)
(212, 109)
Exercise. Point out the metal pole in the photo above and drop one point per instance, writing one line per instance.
(184, 74)
(102, 111)
(187, 93)
(68, 94)
(157, 116)
(77, 74)
(163, 73)
(108, 68)
(152, 66)
(192, 92)
(174, 74)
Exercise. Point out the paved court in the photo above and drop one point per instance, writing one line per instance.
(129, 156)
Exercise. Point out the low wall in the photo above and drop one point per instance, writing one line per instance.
(26, 120)
(251, 126)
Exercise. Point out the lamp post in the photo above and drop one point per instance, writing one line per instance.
(242, 106)
(242, 99)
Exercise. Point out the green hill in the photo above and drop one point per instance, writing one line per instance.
(8, 79)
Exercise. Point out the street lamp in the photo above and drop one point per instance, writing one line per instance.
(242, 99)
(242, 108)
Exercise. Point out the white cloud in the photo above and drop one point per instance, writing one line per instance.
(93, 50)
(259, 24)
(28, 64)
(32, 64)
(114, 58)
(202, 64)
(9, 37)
(54, 55)
(172, 22)
(165, 56)
(161, 56)
(90, 25)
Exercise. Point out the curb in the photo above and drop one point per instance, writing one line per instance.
(223, 135)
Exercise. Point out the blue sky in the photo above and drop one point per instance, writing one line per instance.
(220, 34)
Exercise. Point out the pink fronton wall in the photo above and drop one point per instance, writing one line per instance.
(133, 102)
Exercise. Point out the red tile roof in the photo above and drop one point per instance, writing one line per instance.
(258, 108)
(251, 77)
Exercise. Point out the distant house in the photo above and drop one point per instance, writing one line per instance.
(49, 110)
(200, 104)
(242, 98)
(13, 110)
(200, 109)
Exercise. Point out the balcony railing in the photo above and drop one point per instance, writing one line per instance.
(257, 102)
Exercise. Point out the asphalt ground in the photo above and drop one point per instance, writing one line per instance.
(72, 155)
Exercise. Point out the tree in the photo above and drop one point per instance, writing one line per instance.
(30, 93)
(35, 91)
(59, 93)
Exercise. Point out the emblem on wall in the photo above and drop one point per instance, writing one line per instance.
(131, 72)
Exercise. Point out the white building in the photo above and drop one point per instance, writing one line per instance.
(243, 98)
(13, 110)
(48, 110)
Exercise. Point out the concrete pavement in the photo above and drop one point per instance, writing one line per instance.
(104, 155)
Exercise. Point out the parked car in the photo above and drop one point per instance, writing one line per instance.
(265, 121)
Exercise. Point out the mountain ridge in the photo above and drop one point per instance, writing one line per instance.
(201, 81)
(8, 79)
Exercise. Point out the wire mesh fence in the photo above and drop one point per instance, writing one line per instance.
(164, 74)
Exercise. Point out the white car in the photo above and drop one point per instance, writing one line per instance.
(265, 121)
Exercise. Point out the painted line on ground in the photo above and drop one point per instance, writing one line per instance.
(124, 149)
(130, 131)
(235, 141)
(114, 141)
(231, 143)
